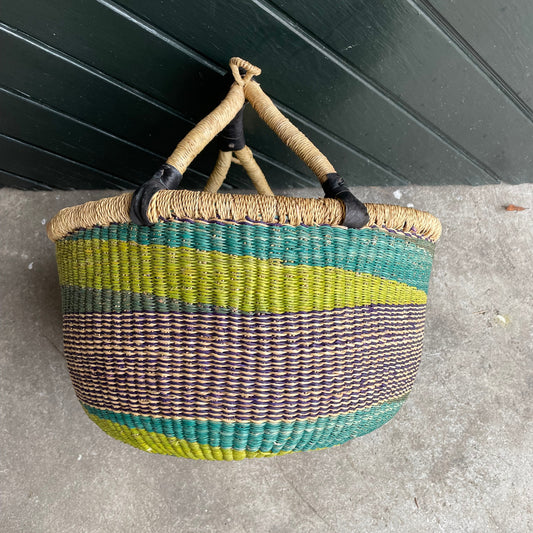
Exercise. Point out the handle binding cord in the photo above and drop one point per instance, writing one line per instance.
(231, 138)
(167, 177)
(171, 173)
(356, 214)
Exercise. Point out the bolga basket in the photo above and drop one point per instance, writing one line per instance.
(219, 326)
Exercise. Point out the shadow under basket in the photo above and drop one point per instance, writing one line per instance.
(236, 326)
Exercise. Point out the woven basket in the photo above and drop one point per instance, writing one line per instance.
(219, 326)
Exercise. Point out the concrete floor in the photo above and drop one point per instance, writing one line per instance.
(458, 456)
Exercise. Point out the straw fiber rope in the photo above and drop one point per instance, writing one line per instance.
(219, 172)
(280, 124)
(196, 140)
(245, 158)
(244, 88)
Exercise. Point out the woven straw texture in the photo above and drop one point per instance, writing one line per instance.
(241, 326)
(218, 340)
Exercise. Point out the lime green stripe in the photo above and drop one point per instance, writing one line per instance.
(397, 257)
(223, 280)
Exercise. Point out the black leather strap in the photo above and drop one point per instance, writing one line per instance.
(356, 215)
(232, 136)
(167, 177)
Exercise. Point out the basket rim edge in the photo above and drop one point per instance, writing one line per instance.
(187, 204)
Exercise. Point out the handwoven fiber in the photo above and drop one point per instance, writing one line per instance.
(228, 340)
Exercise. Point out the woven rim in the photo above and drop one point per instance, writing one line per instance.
(196, 205)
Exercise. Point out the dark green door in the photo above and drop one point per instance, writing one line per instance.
(96, 93)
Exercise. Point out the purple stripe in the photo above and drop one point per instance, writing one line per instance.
(236, 346)
(134, 329)
(137, 327)
(277, 396)
(189, 372)
(189, 376)
(217, 407)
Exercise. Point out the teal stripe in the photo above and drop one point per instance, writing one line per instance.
(265, 436)
(373, 251)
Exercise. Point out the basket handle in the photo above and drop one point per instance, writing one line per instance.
(231, 141)
(243, 157)
(244, 87)
(356, 215)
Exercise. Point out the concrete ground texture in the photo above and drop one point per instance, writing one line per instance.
(456, 458)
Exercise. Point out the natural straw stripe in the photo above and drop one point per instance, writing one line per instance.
(140, 377)
(140, 363)
(133, 397)
(394, 346)
(183, 204)
(148, 394)
(142, 334)
(220, 398)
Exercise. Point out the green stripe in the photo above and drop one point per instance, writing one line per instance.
(217, 279)
(265, 437)
(321, 246)
(157, 443)
(87, 300)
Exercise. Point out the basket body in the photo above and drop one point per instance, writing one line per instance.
(221, 340)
